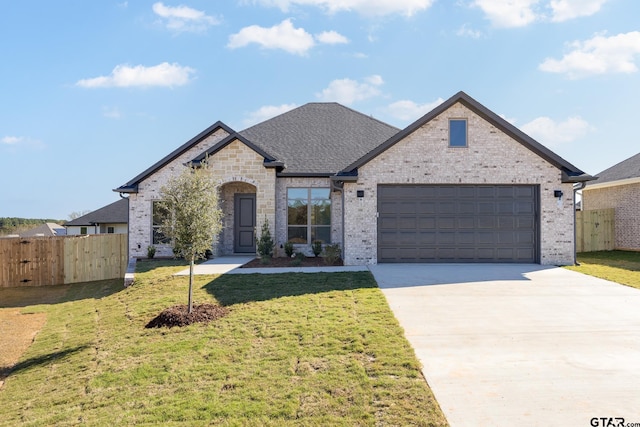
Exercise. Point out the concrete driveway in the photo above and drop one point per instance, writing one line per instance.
(520, 345)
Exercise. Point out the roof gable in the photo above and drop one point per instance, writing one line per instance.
(132, 185)
(318, 138)
(113, 213)
(269, 160)
(570, 172)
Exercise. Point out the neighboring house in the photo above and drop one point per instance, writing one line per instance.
(110, 219)
(619, 187)
(48, 229)
(460, 184)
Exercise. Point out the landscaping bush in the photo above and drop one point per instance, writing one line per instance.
(265, 243)
(297, 260)
(316, 247)
(288, 249)
(332, 253)
(151, 252)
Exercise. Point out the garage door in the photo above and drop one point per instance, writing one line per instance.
(458, 223)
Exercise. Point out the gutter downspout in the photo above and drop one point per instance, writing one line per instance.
(577, 188)
(339, 186)
(128, 223)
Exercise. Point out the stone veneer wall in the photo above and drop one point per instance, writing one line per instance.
(281, 211)
(225, 242)
(235, 163)
(491, 157)
(626, 201)
(148, 190)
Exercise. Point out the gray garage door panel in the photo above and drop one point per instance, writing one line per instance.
(457, 223)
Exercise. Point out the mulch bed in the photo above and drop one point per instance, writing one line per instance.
(288, 262)
(178, 315)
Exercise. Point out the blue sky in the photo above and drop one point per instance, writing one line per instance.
(94, 92)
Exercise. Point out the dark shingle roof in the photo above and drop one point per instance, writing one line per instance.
(318, 138)
(629, 168)
(114, 213)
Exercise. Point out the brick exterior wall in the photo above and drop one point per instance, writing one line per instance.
(281, 211)
(491, 157)
(626, 201)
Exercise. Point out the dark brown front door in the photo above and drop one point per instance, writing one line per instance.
(244, 233)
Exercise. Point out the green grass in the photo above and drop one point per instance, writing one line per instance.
(618, 266)
(296, 349)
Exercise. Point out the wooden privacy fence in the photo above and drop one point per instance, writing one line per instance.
(41, 261)
(595, 230)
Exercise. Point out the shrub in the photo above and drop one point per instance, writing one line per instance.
(332, 253)
(297, 260)
(151, 251)
(316, 247)
(265, 243)
(288, 249)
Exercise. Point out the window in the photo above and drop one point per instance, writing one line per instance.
(457, 133)
(158, 215)
(110, 230)
(83, 230)
(308, 215)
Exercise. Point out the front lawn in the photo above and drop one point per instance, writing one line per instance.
(295, 349)
(618, 266)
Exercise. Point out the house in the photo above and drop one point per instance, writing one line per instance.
(460, 184)
(110, 219)
(619, 187)
(48, 229)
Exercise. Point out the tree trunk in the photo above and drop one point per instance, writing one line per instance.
(191, 284)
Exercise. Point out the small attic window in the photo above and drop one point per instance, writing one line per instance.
(457, 133)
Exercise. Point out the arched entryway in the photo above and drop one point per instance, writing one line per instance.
(238, 201)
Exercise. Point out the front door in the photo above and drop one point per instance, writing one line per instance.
(244, 229)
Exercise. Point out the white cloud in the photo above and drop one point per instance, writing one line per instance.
(11, 140)
(552, 133)
(183, 18)
(347, 91)
(331, 37)
(563, 10)
(409, 111)
(510, 13)
(598, 55)
(466, 31)
(266, 112)
(111, 112)
(123, 75)
(282, 36)
(363, 7)
(20, 141)
(519, 13)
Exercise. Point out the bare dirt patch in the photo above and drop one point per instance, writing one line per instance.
(17, 332)
(179, 315)
(289, 262)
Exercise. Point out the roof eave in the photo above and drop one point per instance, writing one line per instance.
(174, 154)
(126, 189)
(572, 179)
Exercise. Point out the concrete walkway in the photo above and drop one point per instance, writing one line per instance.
(232, 264)
(520, 345)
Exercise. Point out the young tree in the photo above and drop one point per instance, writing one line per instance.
(195, 218)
